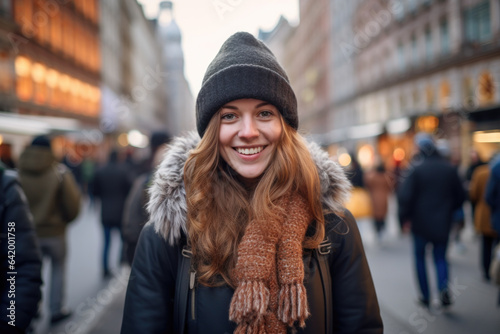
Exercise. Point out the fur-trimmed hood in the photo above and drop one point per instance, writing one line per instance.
(167, 206)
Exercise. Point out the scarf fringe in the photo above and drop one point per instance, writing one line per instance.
(255, 327)
(293, 304)
(250, 300)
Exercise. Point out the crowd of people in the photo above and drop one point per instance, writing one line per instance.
(38, 201)
(431, 193)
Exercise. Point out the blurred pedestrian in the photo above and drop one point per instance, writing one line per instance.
(493, 199)
(246, 206)
(111, 186)
(54, 200)
(379, 187)
(20, 259)
(427, 198)
(135, 215)
(482, 216)
(458, 219)
(493, 192)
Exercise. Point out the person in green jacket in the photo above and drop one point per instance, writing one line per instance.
(54, 200)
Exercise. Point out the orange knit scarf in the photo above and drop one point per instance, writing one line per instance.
(270, 273)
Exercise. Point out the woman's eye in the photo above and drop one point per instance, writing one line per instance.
(266, 113)
(228, 117)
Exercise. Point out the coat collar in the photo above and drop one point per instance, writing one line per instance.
(167, 206)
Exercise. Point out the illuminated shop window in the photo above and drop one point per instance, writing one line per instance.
(51, 79)
(23, 14)
(429, 97)
(24, 83)
(468, 93)
(486, 89)
(6, 77)
(444, 95)
(41, 22)
(38, 74)
(56, 31)
(68, 39)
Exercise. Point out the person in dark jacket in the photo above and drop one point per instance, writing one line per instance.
(111, 185)
(482, 216)
(428, 197)
(259, 213)
(135, 215)
(20, 274)
(493, 193)
(54, 200)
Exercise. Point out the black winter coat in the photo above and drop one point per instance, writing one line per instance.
(17, 230)
(149, 306)
(429, 194)
(112, 184)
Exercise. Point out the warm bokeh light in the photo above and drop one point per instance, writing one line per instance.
(122, 139)
(487, 137)
(22, 66)
(344, 159)
(399, 154)
(365, 155)
(64, 83)
(38, 72)
(52, 77)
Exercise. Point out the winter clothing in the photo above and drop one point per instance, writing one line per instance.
(17, 224)
(51, 189)
(482, 212)
(482, 215)
(54, 200)
(111, 185)
(429, 195)
(262, 281)
(427, 198)
(244, 68)
(135, 215)
(493, 194)
(379, 187)
(149, 303)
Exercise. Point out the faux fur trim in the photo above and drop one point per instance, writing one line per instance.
(167, 204)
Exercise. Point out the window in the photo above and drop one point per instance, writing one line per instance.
(401, 57)
(428, 45)
(6, 75)
(478, 23)
(445, 37)
(414, 50)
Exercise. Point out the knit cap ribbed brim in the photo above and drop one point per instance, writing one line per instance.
(244, 68)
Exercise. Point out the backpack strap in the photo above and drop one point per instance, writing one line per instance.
(181, 289)
(320, 254)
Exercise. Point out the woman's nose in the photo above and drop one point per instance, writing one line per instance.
(249, 129)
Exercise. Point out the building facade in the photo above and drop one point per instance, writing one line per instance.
(49, 67)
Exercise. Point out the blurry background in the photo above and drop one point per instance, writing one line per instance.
(368, 75)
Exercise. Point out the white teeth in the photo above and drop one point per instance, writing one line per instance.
(249, 151)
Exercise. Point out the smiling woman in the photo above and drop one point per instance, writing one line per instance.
(259, 213)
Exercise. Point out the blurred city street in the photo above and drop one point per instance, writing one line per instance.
(88, 294)
(98, 307)
(401, 94)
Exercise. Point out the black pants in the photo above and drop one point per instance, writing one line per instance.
(486, 253)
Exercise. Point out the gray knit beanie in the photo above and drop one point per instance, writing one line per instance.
(244, 68)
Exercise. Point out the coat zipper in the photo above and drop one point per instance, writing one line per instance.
(192, 281)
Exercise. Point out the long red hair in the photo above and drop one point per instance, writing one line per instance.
(219, 206)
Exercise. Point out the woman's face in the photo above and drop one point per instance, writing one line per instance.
(249, 132)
